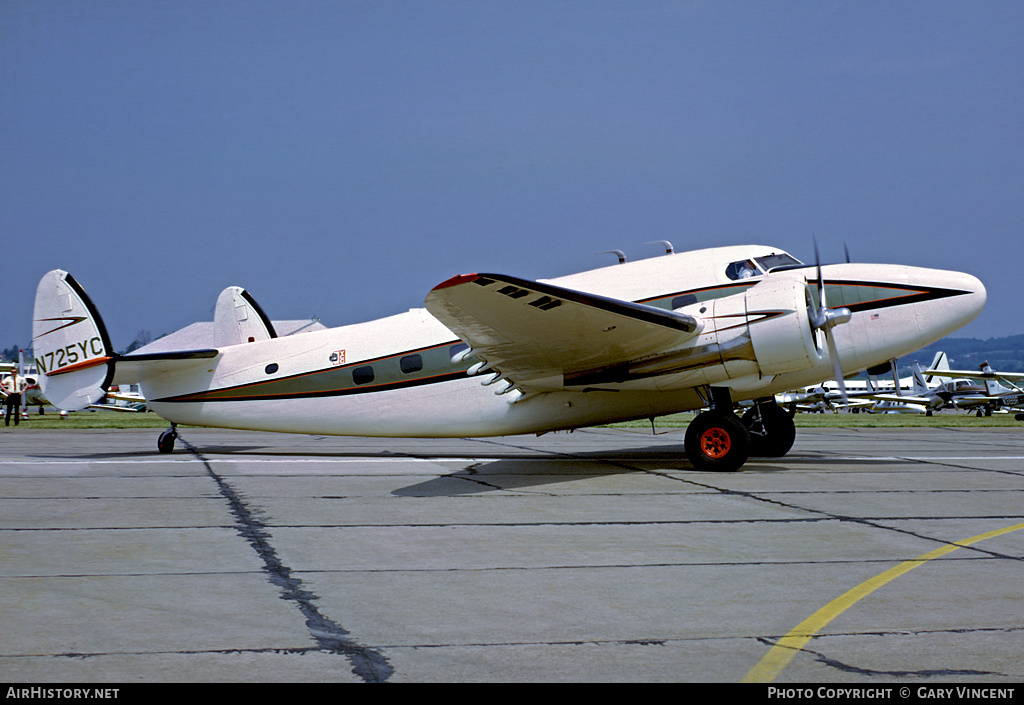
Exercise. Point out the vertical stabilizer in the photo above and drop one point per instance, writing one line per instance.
(920, 387)
(992, 387)
(239, 319)
(71, 345)
(941, 362)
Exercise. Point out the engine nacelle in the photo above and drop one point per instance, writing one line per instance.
(779, 326)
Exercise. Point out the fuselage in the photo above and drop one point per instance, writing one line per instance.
(406, 375)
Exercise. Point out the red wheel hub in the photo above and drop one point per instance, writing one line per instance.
(715, 443)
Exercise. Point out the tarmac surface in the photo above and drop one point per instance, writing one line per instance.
(865, 556)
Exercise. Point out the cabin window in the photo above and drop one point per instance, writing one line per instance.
(271, 368)
(456, 349)
(411, 363)
(684, 300)
(363, 375)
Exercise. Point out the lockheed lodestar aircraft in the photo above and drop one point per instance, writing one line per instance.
(492, 354)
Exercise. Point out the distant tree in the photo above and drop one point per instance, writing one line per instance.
(11, 354)
(142, 338)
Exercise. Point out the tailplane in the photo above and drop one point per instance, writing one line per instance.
(72, 348)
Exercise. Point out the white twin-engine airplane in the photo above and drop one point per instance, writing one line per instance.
(496, 355)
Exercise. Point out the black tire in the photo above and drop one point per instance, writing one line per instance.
(773, 435)
(165, 444)
(716, 442)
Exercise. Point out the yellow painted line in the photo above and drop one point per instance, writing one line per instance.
(779, 656)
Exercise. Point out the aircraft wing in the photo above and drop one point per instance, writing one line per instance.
(904, 398)
(536, 334)
(1019, 376)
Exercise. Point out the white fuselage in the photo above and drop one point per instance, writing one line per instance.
(396, 376)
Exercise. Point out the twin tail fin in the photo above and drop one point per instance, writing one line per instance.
(76, 361)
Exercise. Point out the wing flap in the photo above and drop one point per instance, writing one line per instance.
(537, 333)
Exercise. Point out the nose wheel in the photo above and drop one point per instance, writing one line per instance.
(165, 444)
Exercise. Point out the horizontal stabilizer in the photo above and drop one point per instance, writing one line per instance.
(136, 368)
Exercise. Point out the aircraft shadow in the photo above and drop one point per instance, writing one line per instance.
(496, 470)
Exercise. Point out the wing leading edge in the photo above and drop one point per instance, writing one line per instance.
(536, 334)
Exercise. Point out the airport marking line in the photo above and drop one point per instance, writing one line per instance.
(180, 458)
(779, 656)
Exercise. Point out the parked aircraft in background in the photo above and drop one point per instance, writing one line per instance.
(125, 397)
(493, 354)
(1001, 390)
(860, 393)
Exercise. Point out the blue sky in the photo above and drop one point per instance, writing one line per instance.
(340, 158)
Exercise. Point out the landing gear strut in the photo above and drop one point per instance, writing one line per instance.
(165, 444)
(772, 431)
(716, 440)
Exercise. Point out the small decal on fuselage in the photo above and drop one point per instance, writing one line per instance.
(338, 357)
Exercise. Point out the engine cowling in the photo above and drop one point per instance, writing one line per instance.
(779, 326)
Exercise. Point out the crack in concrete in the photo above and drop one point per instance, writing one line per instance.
(367, 663)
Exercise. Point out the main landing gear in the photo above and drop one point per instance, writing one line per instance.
(165, 444)
(772, 431)
(718, 441)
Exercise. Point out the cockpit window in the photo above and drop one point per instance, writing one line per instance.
(742, 270)
(773, 261)
(757, 266)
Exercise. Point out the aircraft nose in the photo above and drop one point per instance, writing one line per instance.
(973, 302)
(963, 297)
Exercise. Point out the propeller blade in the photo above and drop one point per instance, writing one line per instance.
(825, 320)
(821, 281)
(837, 368)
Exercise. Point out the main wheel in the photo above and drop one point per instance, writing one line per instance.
(165, 444)
(772, 431)
(716, 441)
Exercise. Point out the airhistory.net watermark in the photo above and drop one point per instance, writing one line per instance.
(41, 693)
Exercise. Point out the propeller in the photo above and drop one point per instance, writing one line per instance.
(825, 319)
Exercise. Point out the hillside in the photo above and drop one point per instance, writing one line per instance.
(1004, 354)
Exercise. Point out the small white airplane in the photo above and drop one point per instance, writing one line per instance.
(495, 355)
(1002, 390)
(860, 394)
(125, 397)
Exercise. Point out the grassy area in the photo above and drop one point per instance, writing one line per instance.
(114, 419)
(93, 419)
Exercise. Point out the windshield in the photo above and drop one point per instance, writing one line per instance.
(773, 261)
